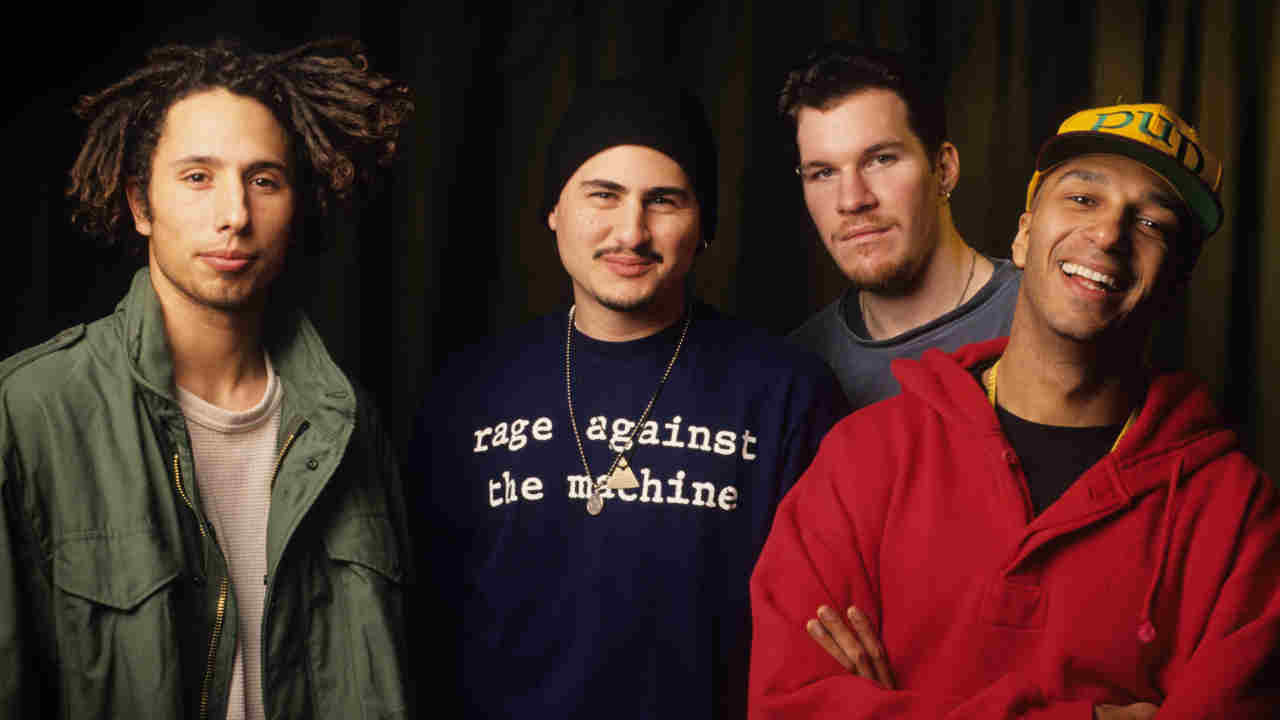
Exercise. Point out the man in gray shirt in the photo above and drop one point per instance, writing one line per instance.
(878, 174)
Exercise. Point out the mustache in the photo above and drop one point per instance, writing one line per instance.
(644, 253)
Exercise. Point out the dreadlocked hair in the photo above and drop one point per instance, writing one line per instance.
(342, 120)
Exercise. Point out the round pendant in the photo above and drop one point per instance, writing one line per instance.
(595, 504)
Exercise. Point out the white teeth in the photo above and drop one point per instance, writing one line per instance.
(1084, 272)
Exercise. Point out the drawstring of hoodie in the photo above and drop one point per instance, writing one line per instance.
(1147, 629)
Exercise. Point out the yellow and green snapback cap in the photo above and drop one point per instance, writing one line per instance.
(1151, 134)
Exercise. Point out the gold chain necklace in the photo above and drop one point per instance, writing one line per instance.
(973, 265)
(620, 475)
(989, 382)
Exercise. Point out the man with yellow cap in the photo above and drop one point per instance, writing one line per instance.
(1040, 526)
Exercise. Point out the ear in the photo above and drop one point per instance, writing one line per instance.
(948, 166)
(551, 217)
(1019, 250)
(139, 208)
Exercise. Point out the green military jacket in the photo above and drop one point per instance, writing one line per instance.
(114, 595)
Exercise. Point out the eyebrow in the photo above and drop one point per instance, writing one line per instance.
(653, 192)
(872, 150)
(217, 162)
(1086, 176)
(1165, 200)
(885, 145)
(1161, 198)
(664, 191)
(815, 164)
(604, 185)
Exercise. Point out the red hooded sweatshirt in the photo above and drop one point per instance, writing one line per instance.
(1154, 578)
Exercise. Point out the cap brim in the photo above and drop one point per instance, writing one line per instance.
(1204, 205)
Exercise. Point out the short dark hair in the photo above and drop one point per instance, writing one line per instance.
(341, 119)
(836, 70)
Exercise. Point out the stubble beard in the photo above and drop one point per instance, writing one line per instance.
(230, 301)
(627, 305)
(901, 274)
(893, 277)
(900, 277)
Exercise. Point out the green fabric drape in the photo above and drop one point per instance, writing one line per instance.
(453, 248)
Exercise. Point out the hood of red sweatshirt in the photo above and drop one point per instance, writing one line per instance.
(1177, 424)
(1177, 432)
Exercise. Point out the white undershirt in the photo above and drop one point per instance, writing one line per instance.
(235, 456)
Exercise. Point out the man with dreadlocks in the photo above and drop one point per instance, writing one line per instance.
(199, 513)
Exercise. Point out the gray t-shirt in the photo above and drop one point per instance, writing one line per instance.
(862, 364)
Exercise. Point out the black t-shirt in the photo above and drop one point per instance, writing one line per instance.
(1052, 457)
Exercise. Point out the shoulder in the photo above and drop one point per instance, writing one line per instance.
(501, 352)
(816, 332)
(1005, 280)
(940, 394)
(864, 455)
(1236, 507)
(869, 426)
(60, 366)
(746, 347)
(500, 365)
(1004, 272)
(369, 417)
(1180, 424)
(766, 372)
(67, 389)
(41, 358)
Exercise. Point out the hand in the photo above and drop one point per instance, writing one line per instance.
(858, 651)
(1136, 711)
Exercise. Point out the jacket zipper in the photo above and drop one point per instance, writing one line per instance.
(288, 442)
(266, 600)
(177, 480)
(223, 587)
(213, 647)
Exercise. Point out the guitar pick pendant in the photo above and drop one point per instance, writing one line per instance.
(622, 478)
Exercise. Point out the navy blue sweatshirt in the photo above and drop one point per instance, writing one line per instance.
(542, 610)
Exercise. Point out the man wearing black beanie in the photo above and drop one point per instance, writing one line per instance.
(597, 484)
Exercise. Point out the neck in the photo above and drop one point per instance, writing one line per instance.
(601, 323)
(953, 274)
(217, 354)
(1069, 383)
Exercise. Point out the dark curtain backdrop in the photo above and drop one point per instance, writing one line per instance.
(452, 248)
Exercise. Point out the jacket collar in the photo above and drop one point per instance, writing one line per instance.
(315, 388)
(145, 341)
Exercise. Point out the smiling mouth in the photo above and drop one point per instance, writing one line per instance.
(1108, 282)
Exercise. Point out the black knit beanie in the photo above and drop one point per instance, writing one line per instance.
(636, 112)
